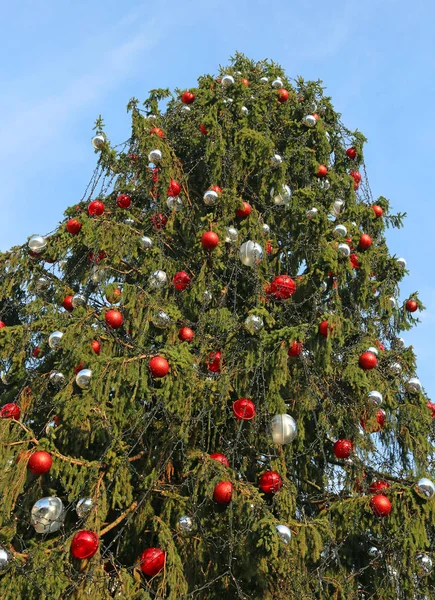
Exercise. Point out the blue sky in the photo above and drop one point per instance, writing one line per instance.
(66, 62)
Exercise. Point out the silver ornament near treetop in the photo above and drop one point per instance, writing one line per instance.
(47, 514)
(310, 121)
(396, 368)
(155, 156)
(146, 242)
(373, 350)
(277, 83)
(84, 507)
(276, 160)
(401, 262)
(250, 253)
(414, 385)
(55, 339)
(161, 319)
(284, 429)
(37, 244)
(284, 533)
(98, 141)
(425, 487)
(339, 230)
(425, 564)
(185, 523)
(344, 249)
(231, 235)
(393, 302)
(399, 342)
(5, 560)
(254, 323)
(210, 197)
(376, 397)
(57, 378)
(157, 280)
(78, 300)
(83, 378)
(174, 202)
(282, 198)
(227, 80)
(264, 79)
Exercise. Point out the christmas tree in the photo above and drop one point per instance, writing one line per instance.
(204, 391)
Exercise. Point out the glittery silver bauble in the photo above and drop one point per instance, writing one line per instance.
(310, 121)
(54, 339)
(426, 487)
(185, 108)
(339, 230)
(98, 141)
(245, 110)
(337, 207)
(96, 274)
(37, 244)
(5, 560)
(210, 197)
(130, 222)
(265, 228)
(393, 302)
(155, 156)
(401, 262)
(312, 212)
(283, 198)
(151, 117)
(4, 378)
(228, 101)
(161, 319)
(284, 429)
(84, 507)
(396, 368)
(325, 184)
(374, 552)
(157, 280)
(185, 523)
(344, 249)
(277, 83)
(425, 564)
(146, 242)
(264, 79)
(207, 296)
(42, 283)
(284, 533)
(376, 397)
(254, 323)
(250, 253)
(174, 202)
(414, 385)
(227, 80)
(83, 378)
(373, 350)
(276, 160)
(231, 235)
(47, 515)
(78, 300)
(399, 342)
(323, 286)
(57, 378)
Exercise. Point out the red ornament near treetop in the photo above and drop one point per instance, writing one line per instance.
(351, 153)
(270, 482)
(220, 458)
(244, 211)
(244, 409)
(10, 411)
(321, 171)
(223, 492)
(411, 305)
(67, 303)
(209, 240)
(281, 287)
(114, 319)
(174, 188)
(152, 561)
(123, 201)
(282, 95)
(343, 448)
(40, 462)
(368, 360)
(159, 367)
(378, 211)
(157, 131)
(380, 505)
(96, 208)
(181, 280)
(187, 97)
(73, 226)
(295, 349)
(185, 334)
(84, 544)
(365, 241)
(356, 176)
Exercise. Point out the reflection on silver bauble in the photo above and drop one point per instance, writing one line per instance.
(37, 244)
(310, 121)
(254, 323)
(185, 108)
(396, 368)
(325, 184)
(323, 286)
(155, 156)
(283, 198)
(54, 339)
(245, 110)
(157, 280)
(373, 350)
(83, 378)
(339, 230)
(344, 249)
(231, 235)
(276, 160)
(42, 283)
(4, 560)
(425, 564)
(78, 300)
(96, 274)
(228, 101)
(312, 212)
(146, 242)
(210, 197)
(207, 296)
(161, 319)
(185, 523)
(393, 302)
(414, 385)
(284, 533)
(266, 229)
(374, 552)
(376, 397)
(174, 202)
(283, 428)
(337, 207)
(426, 487)
(401, 262)
(227, 80)
(250, 253)
(130, 222)
(84, 507)
(4, 377)
(98, 141)
(399, 342)
(57, 378)
(47, 515)
(277, 83)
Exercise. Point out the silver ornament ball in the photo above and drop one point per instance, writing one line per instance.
(207, 296)
(310, 121)
(5, 560)
(158, 280)
(402, 263)
(283, 198)
(174, 202)
(376, 397)
(130, 222)
(146, 242)
(98, 141)
(250, 253)
(266, 229)
(337, 207)
(42, 283)
(284, 429)
(284, 533)
(399, 342)
(245, 111)
(264, 79)
(210, 197)
(78, 300)
(231, 235)
(426, 487)
(340, 230)
(84, 507)
(374, 552)
(254, 323)
(155, 156)
(47, 515)
(312, 212)
(185, 523)
(277, 83)
(396, 368)
(37, 244)
(425, 564)
(393, 302)
(414, 385)
(325, 184)
(344, 249)
(57, 378)
(83, 378)
(55, 339)
(276, 160)
(227, 80)
(161, 319)
(373, 350)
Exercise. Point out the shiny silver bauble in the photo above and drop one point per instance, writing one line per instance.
(344, 249)
(84, 507)
(310, 121)
(338, 207)
(425, 564)
(402, 263)
(55, 339)
(185, 523)
(5, 560)
(340, 230)
(414, 385)
(161, 319)
(284, 533)
(254, 323)
(47, 515)
(376, 397)
(276, 160)
(282, 198)
(277, 83)
(396, 368)
(57, 378)
(425, 487)
(227, 80)
(174, 203)
(373, 350)
(78, 300)
(210, 197)
(37, 244)
(98, 141)
(155, 156)
(158, 280)
(250, 253)
(42, 283)
(245, 111)
(231, 235)
(146, 242)
(393, 302)
(265, 228)
(83, 378)
(283, 428)
(312, 212)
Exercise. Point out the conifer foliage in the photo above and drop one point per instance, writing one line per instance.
(203, 374)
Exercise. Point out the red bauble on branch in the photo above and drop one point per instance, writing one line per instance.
(378, 211)
(96, 346)
(203, 129)
(322, 171)
(181, 280)
(380, 505)
(353, 258)
(159, 367)
(158, 221)
(365, 241)
(244, 81)
(209, 240)
(375, 427)
(67, 303)
(281, 287)
(244, 211)
(282, 95)
(295, 349)
(73, 226)
(368, 360)
(84, 544)
(324, 328)
(152, 561)
(187, 97)
(411, 305)
(123, 201)
(174, 188)
(114, 297)
(351, 153)
(10, 411)
(270, 482)
(343, 448)
(2, 324)
(157, 131)
(185, 334)
(244, 409)
(40, 462)
(356, 176)
(220, 458)
(96, 208)
(377, 486)
(223, 492)
(214, 362)
(113, 319)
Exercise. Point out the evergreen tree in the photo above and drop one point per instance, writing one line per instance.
(194, 363)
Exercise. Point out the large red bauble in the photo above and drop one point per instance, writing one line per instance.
(353, 258)
(187, 97)
(378, 211)
(244, 81)
(245, 211)
(365, 241)
(244, 409)
(181, 280)
(114, 318)
(152, 561)
(2, 324)
(96, 346)
(84, 544)
(343, 448)
(123, 200)
(356, 176)
(185, 334)
(157, 131)
(321, 171)
(220, 458)
(10, 411)
(214, 362)
(159, 367)
(73, 226)
(96, 208)
(36, 352)
(295, 349)
(159, 220)
(377, 486)
(282, 95)
(351, 153)
(282, 287)
(223, 492)
(210, 240)
(368, 360)
(67, 303)
(270, 482)
(431, 407)
(324, 328)
(203, 129)
(174, 188)
(411, 305)
(380, 505)
(40, 463)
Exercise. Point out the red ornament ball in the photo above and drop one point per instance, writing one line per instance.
(244, 409)
(216, 188)
(223, 492)
(377, 486)
(152, 561)
(96, 208)
(321, 171)
(114, 296)
(181, 280)
(10, 411)
(2, 324)
(356, 176)
(380, 422)
(380, 505)
(343, 448)
(295, 349)
(36, 352)
(96, 346)
(84, 544)
(214, 362)
(378, 211)
(203, 129)
(174, 188)
(368, 360)
(282, 95)
(411, 305)
(209, 240)
(96, 257)
(187, 97)
(67, 303)
(158, 221)
(159, 367)
(282, 287)
(365, 241)
(40, 463)
(244, 81)
(73, 226)
(220, 458)
(245, 211)
(351, 153)
(157, 131)
(185, 334)
(324, 328)
(270, 482)
(113, 318)
(123, 200)
(353, 258)
(79, 367)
